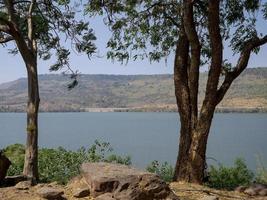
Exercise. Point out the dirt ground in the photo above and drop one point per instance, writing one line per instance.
(196, 192)
(184, 191)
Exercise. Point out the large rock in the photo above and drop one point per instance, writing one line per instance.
(123, 182)
(4, 165)
(23, 185)
(50, 193)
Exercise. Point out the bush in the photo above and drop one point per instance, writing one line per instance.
(60, 164)
(229, 177)
(15, 154)
(261, 174)
(164, 170)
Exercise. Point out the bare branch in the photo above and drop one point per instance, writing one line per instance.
(240, 67)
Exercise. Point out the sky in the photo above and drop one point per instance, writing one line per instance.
(12, 67)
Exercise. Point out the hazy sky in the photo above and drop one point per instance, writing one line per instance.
(12, 67)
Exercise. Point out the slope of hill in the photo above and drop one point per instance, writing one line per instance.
(129, 93)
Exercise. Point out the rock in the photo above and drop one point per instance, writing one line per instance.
(4, 165)
(124, 182)
(50, 193)
(250, 191)
(81, 192)
(23, 185)
(241, 189)
(79, 187)
(106, 196)
(263, 192)
(209, 197)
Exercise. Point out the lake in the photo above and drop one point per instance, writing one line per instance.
(143, 136)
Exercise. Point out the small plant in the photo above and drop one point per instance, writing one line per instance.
(15, 154)
(261, 174)
(60, 164)
(164, 170)
(229, 177)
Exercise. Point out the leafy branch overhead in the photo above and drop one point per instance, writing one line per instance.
(46, 22)
(150, 29)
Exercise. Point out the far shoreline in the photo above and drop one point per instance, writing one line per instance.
(144, 110)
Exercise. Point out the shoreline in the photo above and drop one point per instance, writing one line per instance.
(142, 109)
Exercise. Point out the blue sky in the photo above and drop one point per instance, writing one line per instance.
(12, 67)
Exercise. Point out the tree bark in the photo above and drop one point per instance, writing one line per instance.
(192, 164)
(31, 155)
(191, 161)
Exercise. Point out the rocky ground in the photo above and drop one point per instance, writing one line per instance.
(107, 181)
(183, 191)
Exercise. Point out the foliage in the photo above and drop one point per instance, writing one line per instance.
(163, 170)
(51, 21)
(150, 29)
(60, 164)
(15, 154)
(223, 177)
(261, 173)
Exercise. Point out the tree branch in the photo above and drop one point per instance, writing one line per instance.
(240, 67)
(31, 45)
(4, 28)
(10, 10)
(193, 72)
(216, 58)
(4, 40)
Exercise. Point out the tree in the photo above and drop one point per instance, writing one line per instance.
(197, 31)
(36, 28)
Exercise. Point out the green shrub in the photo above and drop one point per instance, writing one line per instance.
(229, 177)
(261, 174)
(15, 154)
(60, 164)
(163, 170)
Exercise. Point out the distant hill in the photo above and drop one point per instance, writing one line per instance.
(129, 93)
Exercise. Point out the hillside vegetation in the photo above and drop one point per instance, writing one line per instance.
(129, 93)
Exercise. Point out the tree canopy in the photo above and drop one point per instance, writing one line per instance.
(51, 24)
(154, 25)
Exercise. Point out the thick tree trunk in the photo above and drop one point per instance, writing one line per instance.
(31, 155)
(191, 162)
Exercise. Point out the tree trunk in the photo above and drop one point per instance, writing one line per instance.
(31, 155)
(191, 162)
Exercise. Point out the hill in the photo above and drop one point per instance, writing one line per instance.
(129, 93)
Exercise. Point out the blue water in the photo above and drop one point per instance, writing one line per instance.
(143, 136)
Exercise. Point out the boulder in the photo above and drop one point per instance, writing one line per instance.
(81, 192)
(23, 185)
(50, 193)
(250, 191)
(241, 189)
(124, 182)
(209, 197)
(106, 196)
(258, 187)
(78, 187)
(263, 192)
(4, 165)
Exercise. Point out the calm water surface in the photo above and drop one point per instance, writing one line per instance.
(143, 136)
